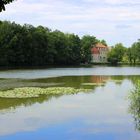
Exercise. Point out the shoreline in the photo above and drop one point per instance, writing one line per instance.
(65, 66)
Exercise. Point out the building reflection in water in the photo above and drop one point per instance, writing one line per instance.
(99, 79)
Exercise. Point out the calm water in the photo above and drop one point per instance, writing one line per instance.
(101, 114)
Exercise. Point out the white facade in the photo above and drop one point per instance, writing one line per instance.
(99, 53)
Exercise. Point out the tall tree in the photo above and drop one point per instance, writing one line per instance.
(129, 55)
(116, 53)
(135, 52)
(74, 48)
(39, 46)
(87, 42)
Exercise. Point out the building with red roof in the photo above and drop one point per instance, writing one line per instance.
(99, 53)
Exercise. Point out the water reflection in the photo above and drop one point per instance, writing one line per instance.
(102, 114)
(11, 104)
(135, 104)
(64, 81)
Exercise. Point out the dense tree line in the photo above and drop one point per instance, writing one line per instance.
(121, 54)
(133, 53)
(39, 46)
(116, 53)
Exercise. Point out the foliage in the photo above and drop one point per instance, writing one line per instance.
(116, 53)
(126, 55)
(3, 3)
(133, 53)
(135, 104)
(37, 46)
(30, 92)
(87, 43)
(103, 42)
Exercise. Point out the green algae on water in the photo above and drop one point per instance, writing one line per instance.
(30, 92)
(93, 84)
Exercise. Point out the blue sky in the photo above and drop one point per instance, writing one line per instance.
(112, 20)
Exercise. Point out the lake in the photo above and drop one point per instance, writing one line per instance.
(101, 114)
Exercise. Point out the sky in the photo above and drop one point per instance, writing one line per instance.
(113, 20)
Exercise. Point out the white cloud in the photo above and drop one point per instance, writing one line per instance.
(123, 1)
(80, 16)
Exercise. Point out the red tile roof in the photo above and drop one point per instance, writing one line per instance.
(95, 50)
(100, 45)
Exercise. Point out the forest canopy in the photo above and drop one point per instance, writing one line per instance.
(26, 45)
(39, 46)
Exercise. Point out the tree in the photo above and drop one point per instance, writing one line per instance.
(133, 53)
(87, 42)
(39, 46)
(74, 48)
(103, 42)
(3, 3)
(138, 50)
(116, 54)
(129, 55)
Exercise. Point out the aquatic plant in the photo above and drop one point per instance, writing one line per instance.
(116, 81)
(29, 92)
(93, 84)
(135, 104)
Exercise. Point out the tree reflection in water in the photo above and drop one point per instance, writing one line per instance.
(135, 104)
